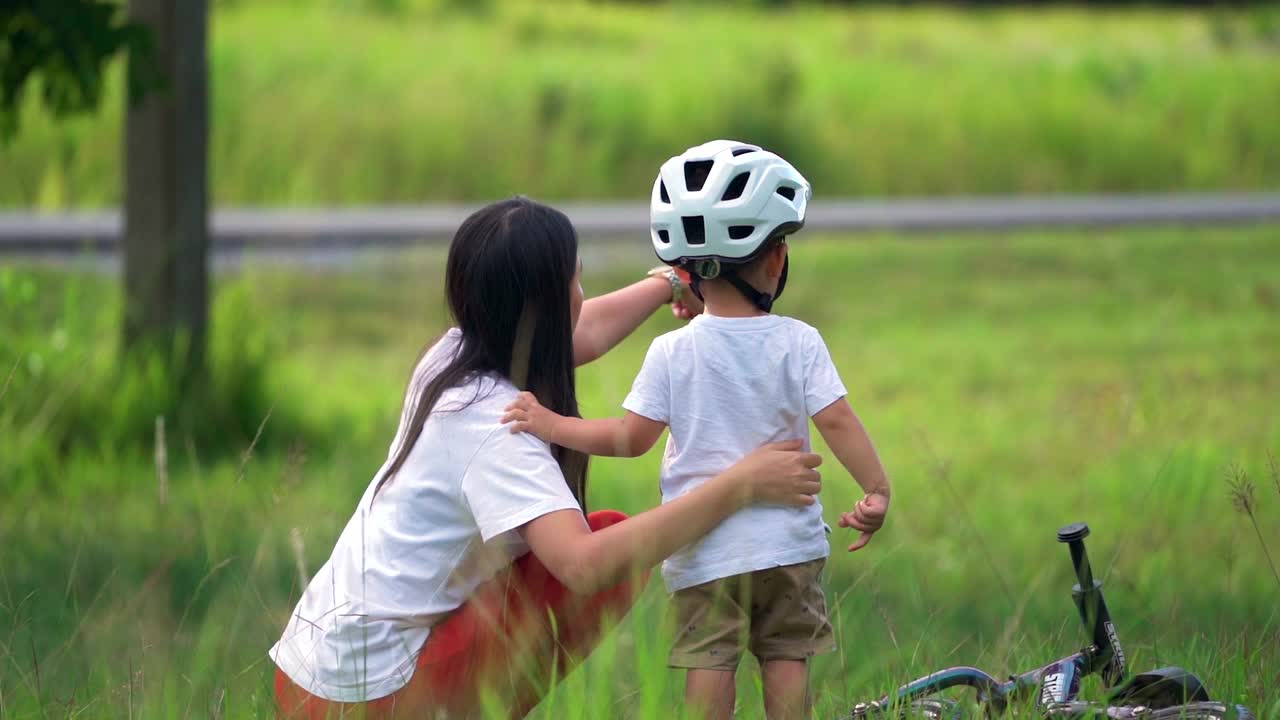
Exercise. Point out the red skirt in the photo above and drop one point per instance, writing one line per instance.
(506, 645)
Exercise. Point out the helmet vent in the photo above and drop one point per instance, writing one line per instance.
(662, 192)
(743, 151)
(695, 174)
(695, 230)
(740, 232)
(736, 187)
(664, 236)
(788, 193)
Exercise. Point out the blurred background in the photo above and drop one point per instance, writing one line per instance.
(206, 323)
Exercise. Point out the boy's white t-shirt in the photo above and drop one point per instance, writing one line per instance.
(444, 524)
(724, 387)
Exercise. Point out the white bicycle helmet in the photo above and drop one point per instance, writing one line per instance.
(719, 204)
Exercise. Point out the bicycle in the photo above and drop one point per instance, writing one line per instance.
(1169, 692)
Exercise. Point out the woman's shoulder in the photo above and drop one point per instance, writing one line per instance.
(475, 406)
(466, 424)
(438, 353)
(495, 444)
(481, 398)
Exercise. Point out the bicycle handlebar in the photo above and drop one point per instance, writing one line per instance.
(1093, 607)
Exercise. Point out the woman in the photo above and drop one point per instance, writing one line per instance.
(468, 570)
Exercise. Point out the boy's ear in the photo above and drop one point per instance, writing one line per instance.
(777, 260)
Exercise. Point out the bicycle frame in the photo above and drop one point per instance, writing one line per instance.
(1057, 682)
(1087, 594)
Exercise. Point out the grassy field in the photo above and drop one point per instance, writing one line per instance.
(1013, 385)
(344, 102)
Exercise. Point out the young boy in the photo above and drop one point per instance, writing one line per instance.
(735, 378)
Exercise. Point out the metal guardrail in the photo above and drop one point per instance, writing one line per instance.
(308, 230)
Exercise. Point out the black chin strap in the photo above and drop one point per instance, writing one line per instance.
(782, 279)
(695, 284)
(764, 301)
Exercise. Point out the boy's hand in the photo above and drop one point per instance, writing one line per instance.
(867, 517)
(526, 414)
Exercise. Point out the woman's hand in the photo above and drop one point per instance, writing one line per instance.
(689, 306)
(687, 309)
(777, 474)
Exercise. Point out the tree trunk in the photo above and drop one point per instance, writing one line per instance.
(166, 192)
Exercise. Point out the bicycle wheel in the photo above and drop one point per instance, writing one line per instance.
(933, 709)
(929, 708)
(1190, 711)
(1203, 711)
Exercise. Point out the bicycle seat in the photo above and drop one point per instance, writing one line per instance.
(1161, 688)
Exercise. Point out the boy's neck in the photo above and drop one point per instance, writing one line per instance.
(723, 300)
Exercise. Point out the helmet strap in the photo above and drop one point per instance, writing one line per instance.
(764, 301)
(695, 284)
(782, 279)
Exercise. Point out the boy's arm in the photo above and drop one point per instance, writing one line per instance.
(848, 439)
(629, 436)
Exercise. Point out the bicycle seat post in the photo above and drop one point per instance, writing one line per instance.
(1074, 536)
(1092, 607)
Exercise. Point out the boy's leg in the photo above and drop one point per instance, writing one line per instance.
(786, 689)
(712, 626)
(711, 694)
(789, 624)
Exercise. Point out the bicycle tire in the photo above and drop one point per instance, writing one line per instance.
(926, 708)
(1191, 711)
(933, 709)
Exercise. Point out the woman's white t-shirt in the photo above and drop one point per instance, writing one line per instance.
(444, 524)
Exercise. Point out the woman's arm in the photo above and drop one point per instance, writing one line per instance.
(587, 562)
(607, 319)
(628, 436)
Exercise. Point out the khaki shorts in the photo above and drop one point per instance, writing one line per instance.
(778, 614)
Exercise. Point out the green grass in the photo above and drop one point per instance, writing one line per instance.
(1013, 385)
(335, 103)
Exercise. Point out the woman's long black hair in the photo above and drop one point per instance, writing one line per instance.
(508, 278)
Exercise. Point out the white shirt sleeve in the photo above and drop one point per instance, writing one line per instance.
(512, 480)
(650, 394)
(822, 385)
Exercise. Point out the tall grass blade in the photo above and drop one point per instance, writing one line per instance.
(162, 463)
(1244, 497)
(299, 556)
(944, 474)
(248, 452)
(1274, 465)
(5, 390)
